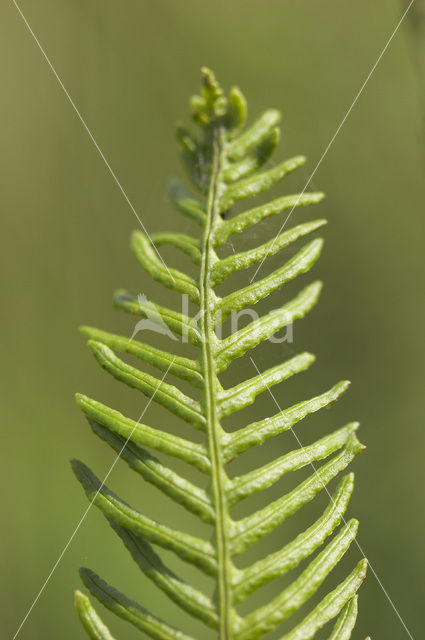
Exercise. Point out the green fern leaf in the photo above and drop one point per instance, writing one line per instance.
(90, 619)
(225, 164)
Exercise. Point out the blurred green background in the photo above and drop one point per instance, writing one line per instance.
(130, 67)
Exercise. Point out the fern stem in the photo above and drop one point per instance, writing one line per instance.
(214, 430)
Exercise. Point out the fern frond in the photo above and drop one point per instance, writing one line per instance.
(175, 321)
(258, 290)
(90, 619)
(165, 394)
(182, 368)
(129, 610)
(187, 451)
(226, 166)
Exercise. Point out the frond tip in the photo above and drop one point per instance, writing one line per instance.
(90, 619)
(227, 164)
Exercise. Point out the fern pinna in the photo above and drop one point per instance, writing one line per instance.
(224, 162)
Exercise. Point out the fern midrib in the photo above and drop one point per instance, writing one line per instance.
(211, 394)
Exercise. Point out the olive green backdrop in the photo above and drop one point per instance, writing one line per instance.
(130, 66)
